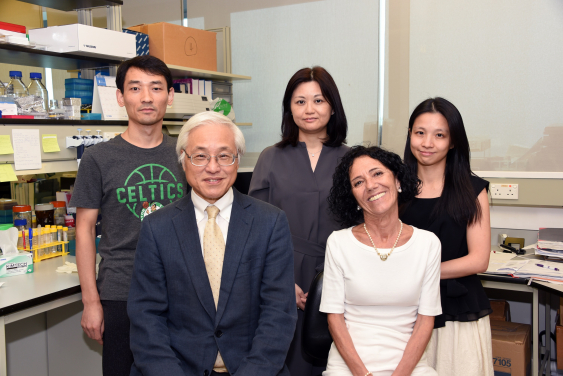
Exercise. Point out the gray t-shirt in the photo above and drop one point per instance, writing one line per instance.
(126, 183)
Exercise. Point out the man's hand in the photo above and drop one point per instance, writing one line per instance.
(300, 298)
(93, 321)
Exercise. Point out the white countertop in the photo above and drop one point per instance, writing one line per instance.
(44, 281)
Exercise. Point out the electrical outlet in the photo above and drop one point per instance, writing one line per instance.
(504, 191)
(109, 135)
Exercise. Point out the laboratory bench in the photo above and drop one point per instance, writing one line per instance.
(40, 330)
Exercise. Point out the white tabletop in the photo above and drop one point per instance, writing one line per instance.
(44, 281)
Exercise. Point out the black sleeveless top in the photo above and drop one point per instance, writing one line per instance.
(463, 299)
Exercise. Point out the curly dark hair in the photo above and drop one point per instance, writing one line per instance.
(342, 202)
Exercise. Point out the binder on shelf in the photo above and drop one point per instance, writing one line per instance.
(208, 90)
(201, 84)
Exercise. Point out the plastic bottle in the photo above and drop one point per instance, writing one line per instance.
(16, 88)
(65, 238)
(37, 88)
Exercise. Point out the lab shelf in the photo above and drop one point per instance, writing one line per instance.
(18, 55)
(67, 5)
(184, 72)
(52, 122)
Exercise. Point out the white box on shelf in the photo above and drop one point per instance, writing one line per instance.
(85, 40)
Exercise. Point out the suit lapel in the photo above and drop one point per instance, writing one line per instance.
(188, 236)
(239, 228)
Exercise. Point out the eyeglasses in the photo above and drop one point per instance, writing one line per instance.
(202, 159)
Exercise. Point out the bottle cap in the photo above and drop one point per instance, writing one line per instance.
(65, 228)
(59, 227)
(35, 75)
(21, 208)
(15, 73)
(20, 222)
(43, 207)
(47, 226)
(58, 204)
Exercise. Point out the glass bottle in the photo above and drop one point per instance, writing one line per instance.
(16, 88)
(2, 89)
(37, 88)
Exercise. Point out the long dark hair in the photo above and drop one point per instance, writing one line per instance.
(337, 126)
(458, 196)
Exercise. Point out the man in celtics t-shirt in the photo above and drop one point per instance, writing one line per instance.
(125, 179)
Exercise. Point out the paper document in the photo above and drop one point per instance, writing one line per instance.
(7, 173)
(27, 149)
(503, 263)
(50, 143)
(6, 144)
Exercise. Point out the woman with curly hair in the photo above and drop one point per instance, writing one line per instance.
(453, 204)
(296, 175)
(381, 276)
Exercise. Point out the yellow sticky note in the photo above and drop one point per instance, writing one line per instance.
(50, 143)
(7, 173)
(6, 145)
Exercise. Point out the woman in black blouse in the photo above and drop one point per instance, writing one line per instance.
(453, 204)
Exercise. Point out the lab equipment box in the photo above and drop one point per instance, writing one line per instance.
(85, 40)
(511, 348)
(179, 45)
(21, 263)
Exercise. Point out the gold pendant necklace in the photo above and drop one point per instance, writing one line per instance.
(384, 256)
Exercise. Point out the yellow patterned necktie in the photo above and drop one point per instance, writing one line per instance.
(213, 255)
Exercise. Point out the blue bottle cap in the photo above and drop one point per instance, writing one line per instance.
(35, 75)
(15, 73)
(20, 222)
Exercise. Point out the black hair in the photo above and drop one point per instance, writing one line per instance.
(458, 196)
(341, 200)
(148, 64)
(337, 126)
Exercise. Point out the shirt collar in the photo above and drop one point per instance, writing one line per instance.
(224, 204)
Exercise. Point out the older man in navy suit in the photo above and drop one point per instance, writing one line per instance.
(212, 290)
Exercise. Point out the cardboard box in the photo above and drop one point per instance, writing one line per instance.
(559, 341)
(511, 348)
(85, 40)
(179, 45)
(501, 310)
(141, 40)
(22, 263)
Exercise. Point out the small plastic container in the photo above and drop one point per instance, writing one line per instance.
(69, 221)
(60, 212)
(45, 214)
(22, 212)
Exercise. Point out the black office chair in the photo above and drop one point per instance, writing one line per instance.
(315, 337)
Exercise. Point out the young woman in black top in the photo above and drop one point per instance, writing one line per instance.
(453, 204)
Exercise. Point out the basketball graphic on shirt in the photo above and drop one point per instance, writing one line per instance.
(148, 188)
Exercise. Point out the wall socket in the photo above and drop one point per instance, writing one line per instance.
(504, 191)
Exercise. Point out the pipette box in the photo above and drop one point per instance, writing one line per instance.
(19, 264)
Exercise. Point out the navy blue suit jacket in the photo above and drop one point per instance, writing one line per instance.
(175, 328)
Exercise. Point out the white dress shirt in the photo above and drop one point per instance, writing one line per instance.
(224, 204)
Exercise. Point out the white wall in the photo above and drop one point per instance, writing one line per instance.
(499, 62)
(272, 44)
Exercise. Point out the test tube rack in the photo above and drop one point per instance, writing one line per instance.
(39, 253)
